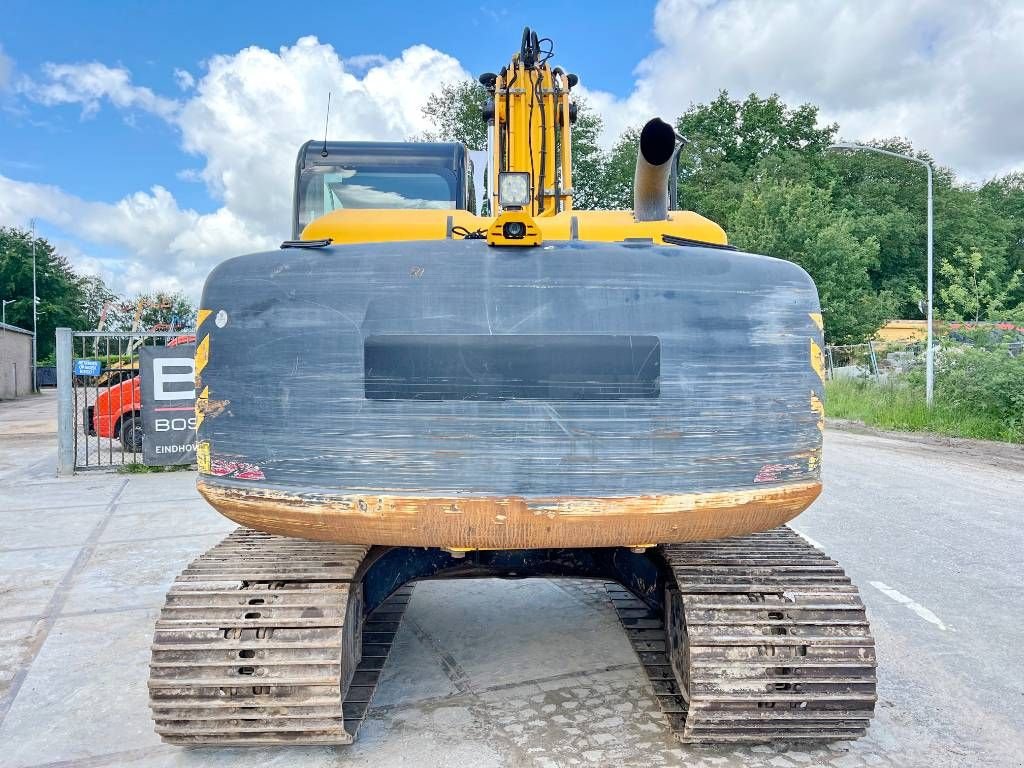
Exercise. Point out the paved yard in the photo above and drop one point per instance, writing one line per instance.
(525, 673)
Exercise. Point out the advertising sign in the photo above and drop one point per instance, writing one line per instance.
(168, 404)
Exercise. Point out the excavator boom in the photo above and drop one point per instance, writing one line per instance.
(529, 117)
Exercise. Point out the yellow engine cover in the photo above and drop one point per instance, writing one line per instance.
(388, 225)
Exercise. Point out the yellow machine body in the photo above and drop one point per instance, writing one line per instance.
(385, 226)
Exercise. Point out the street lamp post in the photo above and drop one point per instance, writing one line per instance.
(35, 305)
(4, 321)
(929, 386)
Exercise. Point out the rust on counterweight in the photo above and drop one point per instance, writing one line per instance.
(510, 522)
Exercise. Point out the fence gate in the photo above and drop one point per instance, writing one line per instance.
(99, 412)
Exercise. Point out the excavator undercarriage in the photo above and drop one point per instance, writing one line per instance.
(272, 640)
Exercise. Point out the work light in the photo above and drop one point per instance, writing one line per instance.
(513, 230)
(513, 189)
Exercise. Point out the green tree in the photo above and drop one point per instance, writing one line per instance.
(731, 141)
(886, 198)
(616, 186)
(97, 296)
(796, 221)
(588, 161)
(154, 311)
(66, 299)
(1005, 197)
(455, 112)
(971, 291)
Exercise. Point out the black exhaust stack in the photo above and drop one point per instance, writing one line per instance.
(653, 167)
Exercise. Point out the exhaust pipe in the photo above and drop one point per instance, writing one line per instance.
(653, 166)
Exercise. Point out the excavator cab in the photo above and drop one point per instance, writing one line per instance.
(339, 175)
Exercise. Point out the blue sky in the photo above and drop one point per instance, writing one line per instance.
(152, 40)
(151, 140)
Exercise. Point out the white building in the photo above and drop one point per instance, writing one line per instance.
(15, 361)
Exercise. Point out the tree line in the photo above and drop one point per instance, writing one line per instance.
(73, 300)
(855, 221)
(758, 167)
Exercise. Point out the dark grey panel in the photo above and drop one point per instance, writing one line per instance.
(541, 366)
(735, 379)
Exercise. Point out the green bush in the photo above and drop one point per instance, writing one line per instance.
(978, 380)
(899, 407)
(978, 393)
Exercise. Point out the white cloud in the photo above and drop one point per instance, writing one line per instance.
(363, 62)
(944, 73)
(168, 246)
(245, 119)
(253, 110)
(90, 84)
(184, 79)
(6, 67)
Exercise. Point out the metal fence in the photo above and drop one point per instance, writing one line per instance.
(875, 359)
(99, 423)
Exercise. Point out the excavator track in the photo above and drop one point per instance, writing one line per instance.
(262, 640)
(764, 639)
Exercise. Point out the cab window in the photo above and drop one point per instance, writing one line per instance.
(323, 189)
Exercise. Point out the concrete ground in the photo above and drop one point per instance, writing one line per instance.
(527, 673)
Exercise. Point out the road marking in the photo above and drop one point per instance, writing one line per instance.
(913, 605)
(808, 539)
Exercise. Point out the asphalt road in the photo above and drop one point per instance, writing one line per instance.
(527, 673)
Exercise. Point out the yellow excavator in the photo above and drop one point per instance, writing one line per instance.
(410, 391)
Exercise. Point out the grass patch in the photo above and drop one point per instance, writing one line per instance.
(900, 407)
(143, 469)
